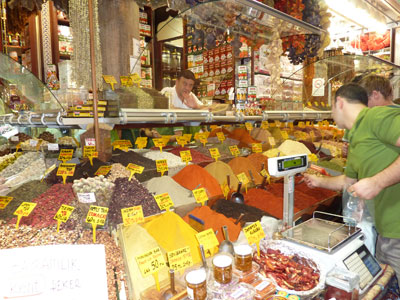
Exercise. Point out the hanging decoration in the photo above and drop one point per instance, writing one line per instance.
(79, 19)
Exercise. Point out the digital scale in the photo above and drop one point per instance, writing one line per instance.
(331, 243)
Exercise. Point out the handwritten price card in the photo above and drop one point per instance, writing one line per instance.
(271, 141)
(181, 140)
(159, 143)
(264, 125)
(221, 136)
(200, 195)
(90, 152)
(180, 259)
(122, 144)
(186, 156)
(150, 263)
(162, 166)
(132, 215)
(96, 215)
(24, 210)
(234, 150)
(209, 241)
(66, 155)
(215, 153)
(4, 200)
(256, 148)
(63, 214)
(65, 170)
(254, 234)
(103, 170)
(164, 201)
(134, 169)
(141, 142)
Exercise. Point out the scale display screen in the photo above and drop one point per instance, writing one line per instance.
(362, 263)
(291, 163)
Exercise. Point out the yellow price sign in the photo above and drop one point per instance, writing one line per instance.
(200, 195)
(285, 135)
(243, 178)
(323, 104)
(271, 141)
(209, 241)
(132, 215)
(316, 103)
(90, 152)
(264, 125)
(265, 173)
(96, 215)
(206, 134)
(164, 201)
(254, 234)
(225, 190)
(24, 210)
(136, 79)
(110, 80)
(123, 144)
(278, 124)
(291, 125)
(234, 150)
(65, 170)
(66, 155)
(203, 138)
(150, 262)
(63, 214)
(4, 200)
(308, 124)
(103, 170)
(256, 148)
(141, 142)
(134, 169)
(188, 137)
(159, 143)
(213, 127)
(126, 80)
(181, 140)
(180, 259)
(186, 156)
(301, 125)
(162, 166)
(249, 126)
(309, 103)
(166, 139)
(221, 136)
(197, 136)
(215, 153)
(312, 135)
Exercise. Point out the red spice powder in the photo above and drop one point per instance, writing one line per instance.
(197, 157)
(258, 159)
(243, 136)
(243, 164)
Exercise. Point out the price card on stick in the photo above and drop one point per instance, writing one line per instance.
(110, 80)
(162, 166)
(159, 143)
(221, 136)
(181, 140)
(243, 179)
(256, 148)
(164, 201)
(4, 200)
(134, 169)
(150, 263)
(63, 214)
(96, 215)
(65, 155)
(122, 144)
(180, 259)
(271, 141)
(285, 135)
(65, 170)
(90, 152)
(215, 153)
(136, 79)
(254, 234)
(103, 170)
(278, 124)
(23, 210)
(248, 126)
(200, 195)
(209, 241)
(132, 215)
(203, 138)
(126, 80)
(186, 156)
(265, 173)
(264, 125)
(225, 189)
(188, 137)
(141, 142)
(234, 150)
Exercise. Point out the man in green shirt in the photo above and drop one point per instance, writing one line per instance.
(373, 164)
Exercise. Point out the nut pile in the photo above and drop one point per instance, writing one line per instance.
(20, 164)
(47, 136)
(32, 172)
(20, 137)
(67, 140)
(8, 159)
(118, 171)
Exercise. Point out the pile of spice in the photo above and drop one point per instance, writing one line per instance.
(8, 159)
(235, 210)
(118, 171)
(86, 170)
(32, 172)
(290, 147)
(47, 136)
(130, 193)
(220, 171)
(165, 184)
(20, 164)
(215, 221)
(261, 135)
(243, 164)
(259, 160)
(243, 136)
(193, 176)
(24, 193)
(197, 156)
(172, 159)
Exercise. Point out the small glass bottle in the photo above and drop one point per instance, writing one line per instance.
(196, 284)
(243, 258)
(222, 266)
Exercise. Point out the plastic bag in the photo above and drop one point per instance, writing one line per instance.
(353, 208)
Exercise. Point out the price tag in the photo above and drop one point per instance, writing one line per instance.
(66, 155)
(103, 170)
(272, 124)
(159, 143)
(65, 170)
(180, 259)
(215, 153)
(256, 148)
(24, 210)
(234, 150)
(243, 178)
(200, 195)
(197, 136)
(132, 215)
(122, 144)
(141, 142)
(136, 79)
(264, 125)
(308, 124)
(33, 143)
(110, 80)
(221, 136)
(186, 156)
(90, 152)
(166, 139)
(309, 104)
(291, 125)
(254, 234)
(4, 200)
(206, 134)
(96, 215)
(48, 171)
(301, 125)
(209, 241)
(52, 147)
(181, 140)
(312, 135)
(225, 189)
(63, 214)
(285, 135)
(278, 124)
(150, 262)
(323, 104)
(213, 127)
(164, 201)
(162, 166)
(203, 138)
(271, 141)
(126, 80)
(265, 173)
(14, 138)
(90, 142)
(316, 103)
(134, 169)
(249, 126)
(86, 197)
(188, 137)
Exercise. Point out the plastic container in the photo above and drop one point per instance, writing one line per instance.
(222, 267)
(196, 284)
(248, 276)
(243, 258)
(241, 291)
(342, 284)
(263, 288)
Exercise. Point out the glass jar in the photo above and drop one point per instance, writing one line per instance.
(166, 81)
(222, 266)
(166, 60)
(196, 284)
(174, 60)
(178, 61)
(243, 258)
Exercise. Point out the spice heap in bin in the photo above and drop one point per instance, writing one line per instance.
(176, 208)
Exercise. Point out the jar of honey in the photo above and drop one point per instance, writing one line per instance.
(243, 258)
(222, 267)
(196, 284)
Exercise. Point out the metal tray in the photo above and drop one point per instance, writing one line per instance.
(321, 234)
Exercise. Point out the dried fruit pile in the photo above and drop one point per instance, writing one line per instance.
(289, 272)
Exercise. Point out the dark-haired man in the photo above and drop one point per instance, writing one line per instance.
(373, 164)
(181, 93)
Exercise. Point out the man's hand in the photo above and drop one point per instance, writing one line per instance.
(366, 188)
(190, 101)
(312, 181)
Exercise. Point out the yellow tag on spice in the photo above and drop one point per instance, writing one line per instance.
(225, 189)
(136, 79)
(166, 139)
(221, 136)
(200, 195)
(159, 143)
(301, 125)
(291, 125)
(213, 127)
(285, 135)
(249, 126)
(96, 215)
(243, 178)
(103, 170)
(132, 215)
(65, 170)
(278, 124)
(254, 234)
(162, 166)
(126, 80)
(186, 156)
(271, 141)
(180, 259)
(203, 138)
(24, 210)
(181, 140)
(4, 200)
(66, 155)
(63, 214)
(312, 135)
(264, 125)
(265, 173)
(164, 201)
(134, 169)
(209, 241)
(110, 80)
(188, 137)
(141, 142)
(150, 262)
(234, 150)
(122, 144)
(90, 152)
(215, 153)
(256, 148)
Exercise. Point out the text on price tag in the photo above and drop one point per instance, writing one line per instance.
(90, 151)
(66, 155)
(278, 124)
(200, 195)
(132, 215)
(271, 141)
(180, 259)
(4, 200)
(25, 209)
(221, 136)
(159, 142)
(150, 262)
(248, 126)
(181, 140)
(285, 135)
(141, 142)
(264, 125)
(163, 201)
(162, 165)
(103, 170)
(97, 215)
(66, 169)
(234, 150)
(243, 178)
(208, 239)
(203, 138)
(188, 137)
(63, 213)
(256, 148)
(215, 153)
(122, 144)
(135, 168)
(254, 233)
(186, 156)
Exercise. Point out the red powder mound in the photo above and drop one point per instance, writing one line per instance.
(243, 136)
